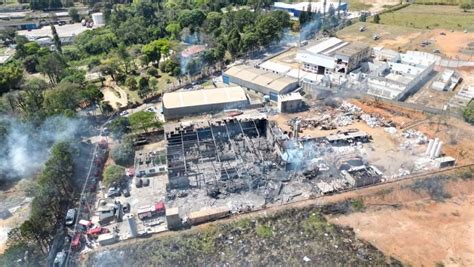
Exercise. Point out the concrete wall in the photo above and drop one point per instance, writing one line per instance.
(175, 113)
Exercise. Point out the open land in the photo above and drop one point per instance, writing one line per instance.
(402, 38)
(430, 16)
(421, 228)
(290, 237)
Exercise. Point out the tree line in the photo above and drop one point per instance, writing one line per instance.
(29, 243)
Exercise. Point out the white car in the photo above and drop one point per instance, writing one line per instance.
(151, 109)
(124, 113)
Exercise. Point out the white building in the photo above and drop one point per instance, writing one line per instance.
(396, 81)
(333, 55)
(295, 9)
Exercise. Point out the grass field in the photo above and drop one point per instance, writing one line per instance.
(357, 5)
(430, 17)
(438, 2)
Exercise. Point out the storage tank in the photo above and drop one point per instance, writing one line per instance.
(132, 225)
(98, 19)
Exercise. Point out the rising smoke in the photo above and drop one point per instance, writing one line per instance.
(24, 148)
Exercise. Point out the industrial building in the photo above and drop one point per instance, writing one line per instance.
(333, 55)
(260, 80)
(446, 81)
(295, 9)
(290, 103)
(186, 103)
(398, 80)
(463, 97)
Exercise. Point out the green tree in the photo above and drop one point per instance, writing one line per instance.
(123, 153)
(57, 41)
(143, 121)
(131, 82)
(173, 29)
(377, 18)
(469, 113)
(119, 127)
(233, 42)
(30, 100)
(64, 99)
(92, 94)
(363, 17)
(268, 30)
(143, 86)
(212, 22)
(155, 49)
(53, 66)
(11, 75)
(74, 14)
(113, 175)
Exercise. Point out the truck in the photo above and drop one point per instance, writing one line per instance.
(150, 211)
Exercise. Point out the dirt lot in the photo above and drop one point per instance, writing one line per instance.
(405, 38)
(422, 232)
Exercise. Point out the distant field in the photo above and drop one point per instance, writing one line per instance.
(431, 16)
(438, 2)
(357, 5)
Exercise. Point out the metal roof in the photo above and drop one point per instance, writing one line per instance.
(318, 60)
(277, 67)
(204, 97)
(261, 77)
(323, 45)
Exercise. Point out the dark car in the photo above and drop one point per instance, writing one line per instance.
(146, 182)
(138, 183)
(126, 207)
(125, 192)
(140, 141)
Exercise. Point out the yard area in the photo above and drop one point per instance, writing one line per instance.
(431, 16)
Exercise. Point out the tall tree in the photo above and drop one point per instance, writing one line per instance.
(57, 41)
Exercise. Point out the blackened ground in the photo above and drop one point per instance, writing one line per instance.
(290, 238)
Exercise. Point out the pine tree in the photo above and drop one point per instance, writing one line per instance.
(57, 41)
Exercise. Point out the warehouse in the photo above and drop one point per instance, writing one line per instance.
(259, 80)
(333, 55)
(295, 9)
(185, 103)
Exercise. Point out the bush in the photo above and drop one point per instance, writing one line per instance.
(113, 174)
(152, 71)
(123, 154)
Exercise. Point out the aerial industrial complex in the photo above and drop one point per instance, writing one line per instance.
(243, 131)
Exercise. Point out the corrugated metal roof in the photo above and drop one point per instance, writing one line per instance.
(261, 77)
(277, 67)
(326, 44)
(204, 97)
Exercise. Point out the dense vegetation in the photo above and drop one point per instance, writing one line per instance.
(52, 193)
(289, 238)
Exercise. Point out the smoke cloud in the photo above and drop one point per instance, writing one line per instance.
(25, 148)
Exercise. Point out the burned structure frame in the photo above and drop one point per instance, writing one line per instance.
(225, 156)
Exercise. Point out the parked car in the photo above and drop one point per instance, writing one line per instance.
(70, 217)
(151, 109)
(113, 192)
(146, 182)
(125, 192)
(126, 207)
(138, 183)
(124, 113)
(140, 141)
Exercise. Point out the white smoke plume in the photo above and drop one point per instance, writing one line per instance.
(25, 148)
